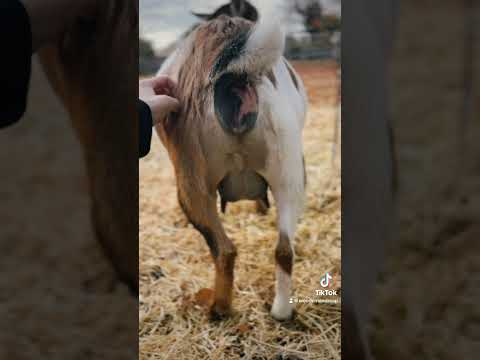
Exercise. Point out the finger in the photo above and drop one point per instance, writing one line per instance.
(158, 82)
(145, 90)
(164, 80)
(162, 106)
(163, 91)
(163, 84)
(168, 103)
(146, 82)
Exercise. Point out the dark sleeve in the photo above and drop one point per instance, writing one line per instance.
(145, 124)
(15, 60)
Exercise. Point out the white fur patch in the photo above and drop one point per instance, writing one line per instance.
(264, 47)
(282, 309)
(172, 64)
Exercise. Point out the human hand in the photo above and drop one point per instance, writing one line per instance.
(157, 93)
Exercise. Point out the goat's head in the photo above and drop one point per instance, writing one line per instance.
(207, 83)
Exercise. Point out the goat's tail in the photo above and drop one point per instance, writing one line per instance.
(263, 46)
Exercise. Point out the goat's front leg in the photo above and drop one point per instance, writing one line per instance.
(289, 197)
(202, 212)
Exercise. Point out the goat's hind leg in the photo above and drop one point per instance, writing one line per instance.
(262, 205)
(201, 211)
(289, 197)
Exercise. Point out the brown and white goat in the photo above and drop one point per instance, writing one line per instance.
(238, 132)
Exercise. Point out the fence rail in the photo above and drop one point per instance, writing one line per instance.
(305, 46)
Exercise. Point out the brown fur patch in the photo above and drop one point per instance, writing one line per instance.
(79, 67)
(209, 41)
(284, 254)
(224, 268)
(180, 136)
(193, 87)
(201, 211)
(272, 78)
(292, 75)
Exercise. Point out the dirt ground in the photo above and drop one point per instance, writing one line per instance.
(427, 306)
(175, 263)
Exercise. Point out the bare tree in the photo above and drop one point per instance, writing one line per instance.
(313, 16)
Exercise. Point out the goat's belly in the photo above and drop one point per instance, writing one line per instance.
(244, 185)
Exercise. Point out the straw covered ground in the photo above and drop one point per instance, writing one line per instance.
(176, 268)
(427, 304)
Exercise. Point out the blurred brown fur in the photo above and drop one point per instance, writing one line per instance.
(93, 69)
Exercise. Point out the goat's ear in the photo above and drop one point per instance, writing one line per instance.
(205, 17)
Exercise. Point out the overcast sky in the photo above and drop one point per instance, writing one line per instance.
(162, 21)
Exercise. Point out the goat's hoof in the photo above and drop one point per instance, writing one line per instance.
(282, 312)
(218, 312)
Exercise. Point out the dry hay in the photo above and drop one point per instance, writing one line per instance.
(175, 265)
(427, 306)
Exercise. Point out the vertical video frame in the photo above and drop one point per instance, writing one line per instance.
(240, 192)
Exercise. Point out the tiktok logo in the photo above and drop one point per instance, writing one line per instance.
(326, 280)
